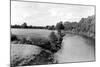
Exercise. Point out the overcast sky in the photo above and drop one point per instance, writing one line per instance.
(47, 14)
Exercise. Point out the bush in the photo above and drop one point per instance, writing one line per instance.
(13, 37)
(23, 40)
(53, 37)
(55, 42)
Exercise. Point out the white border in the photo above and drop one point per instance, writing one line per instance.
(5, 34)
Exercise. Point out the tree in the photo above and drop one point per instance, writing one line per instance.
(55, 46)
(53, 37)
(24, 25)
(50, 27)
(13, 37)
(53, 27)
(47, 26)
(59, 27)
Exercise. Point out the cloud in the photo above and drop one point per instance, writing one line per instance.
(46, 14)
(67, 16)
(53, 12)
(61, 14)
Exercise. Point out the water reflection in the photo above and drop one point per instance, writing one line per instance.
(75, 49)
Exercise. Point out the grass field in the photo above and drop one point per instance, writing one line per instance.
(20, 53)
(29, 33)
(30, 54)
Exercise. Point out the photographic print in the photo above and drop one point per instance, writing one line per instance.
(51, 33)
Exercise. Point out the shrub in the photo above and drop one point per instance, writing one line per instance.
(55, 42)
(23, 40)
(13, 37)
(53, 37)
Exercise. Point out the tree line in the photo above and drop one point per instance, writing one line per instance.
(85, 25)
(25, 26)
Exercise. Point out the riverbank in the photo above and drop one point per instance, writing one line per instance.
(85, 35)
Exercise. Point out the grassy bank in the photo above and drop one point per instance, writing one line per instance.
(24, 55)
(50, 43)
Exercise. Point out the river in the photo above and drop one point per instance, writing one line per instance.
(76, 49)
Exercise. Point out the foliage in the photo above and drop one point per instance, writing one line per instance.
(24, 25)
(13, 37)
(51, 27)
(59, 26)
(53, 37)
(86, 26)
(55, 42)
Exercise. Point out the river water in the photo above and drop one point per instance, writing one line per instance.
(75, 49)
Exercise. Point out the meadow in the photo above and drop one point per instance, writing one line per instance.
(31, 45)
(34, 33)
(34, 47)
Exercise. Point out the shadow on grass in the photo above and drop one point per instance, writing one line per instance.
(45, 57)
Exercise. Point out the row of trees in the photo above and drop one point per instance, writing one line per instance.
(86, 25)
(24, 25)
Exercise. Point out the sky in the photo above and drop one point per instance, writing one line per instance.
(42, 14)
